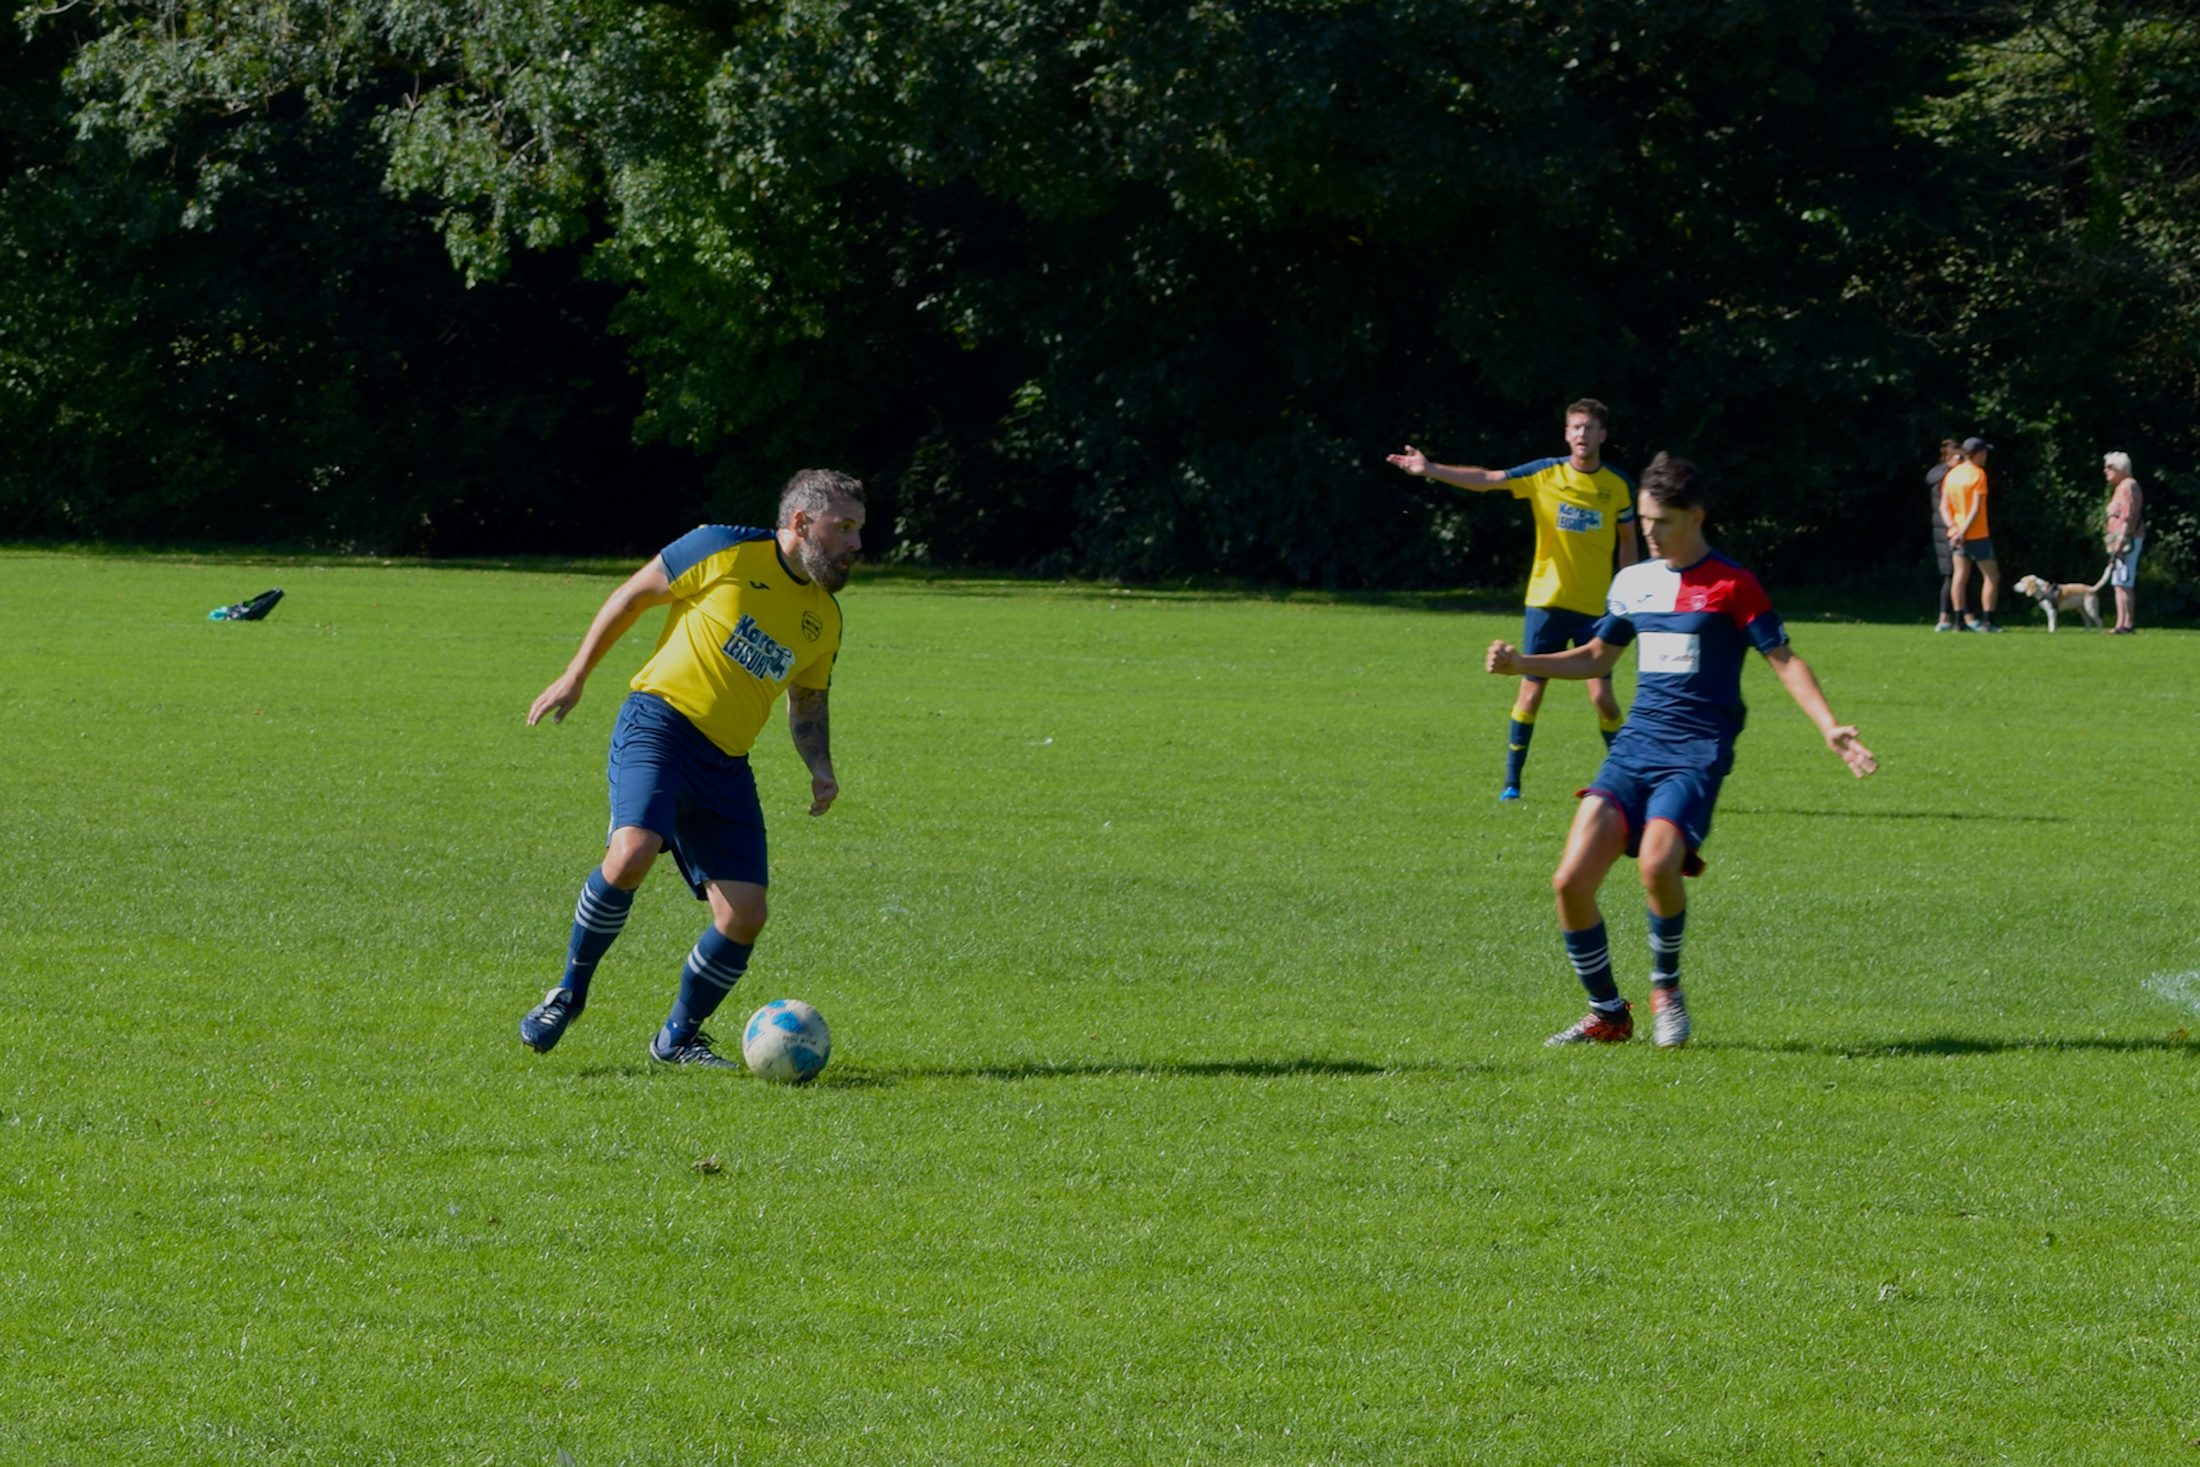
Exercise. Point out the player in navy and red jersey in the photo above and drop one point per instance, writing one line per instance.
(1695, 614)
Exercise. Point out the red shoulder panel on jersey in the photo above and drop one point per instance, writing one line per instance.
(1720, 585)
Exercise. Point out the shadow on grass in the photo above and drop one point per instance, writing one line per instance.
(834, 1078)
(863, 1077)
(1937, 1046)
(1907, 815)
(1186, 1069)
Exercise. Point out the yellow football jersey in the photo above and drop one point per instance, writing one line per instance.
(1577, 520)
(740, 630)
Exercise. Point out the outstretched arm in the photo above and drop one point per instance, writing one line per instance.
(1416, 463)
(1595, 658)
(809, 723)
(647, 587)
(1802, 685)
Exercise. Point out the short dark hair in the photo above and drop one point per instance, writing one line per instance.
(817, 490)
(1594, 409)
(1674, 482)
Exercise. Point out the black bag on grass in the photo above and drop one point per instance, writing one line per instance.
(253, 610)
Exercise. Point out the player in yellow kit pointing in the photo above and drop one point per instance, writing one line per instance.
(1584, 515)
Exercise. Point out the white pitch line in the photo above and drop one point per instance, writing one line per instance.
(2178, 988)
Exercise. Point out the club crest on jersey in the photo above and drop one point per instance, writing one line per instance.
(1578, 520)
(759, 656)
(812, 628)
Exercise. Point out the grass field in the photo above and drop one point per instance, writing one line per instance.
(1188, 1103)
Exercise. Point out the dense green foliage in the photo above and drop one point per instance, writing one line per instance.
(1188, 1101)
(1127, 287)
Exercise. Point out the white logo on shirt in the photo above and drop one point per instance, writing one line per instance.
(1580, 521)
(759, 656)
(1677, 652)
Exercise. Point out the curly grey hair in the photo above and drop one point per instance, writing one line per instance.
(2119, 461)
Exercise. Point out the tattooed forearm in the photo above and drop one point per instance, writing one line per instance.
(811, 725)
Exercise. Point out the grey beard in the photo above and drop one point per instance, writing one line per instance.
(819, 566)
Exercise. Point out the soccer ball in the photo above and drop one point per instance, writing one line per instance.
(787, 1042)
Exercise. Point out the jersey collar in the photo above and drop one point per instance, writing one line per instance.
(795, 575)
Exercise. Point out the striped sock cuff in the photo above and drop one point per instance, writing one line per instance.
(715, 971)
(603, 908)
(1665, 943)
(1591, 955)
(717, 962)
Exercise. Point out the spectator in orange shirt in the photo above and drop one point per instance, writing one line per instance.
(1963, 502)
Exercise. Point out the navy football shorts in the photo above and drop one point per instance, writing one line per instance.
(1554, 629)
(1981, 548)
(669, 779)
(1685, 797)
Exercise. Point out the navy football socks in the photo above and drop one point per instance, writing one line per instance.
(1516, 747)
(597, 921)
(1591, 956)
(1665, 949)
(709, 974)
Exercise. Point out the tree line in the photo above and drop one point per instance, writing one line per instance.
(1112, 287)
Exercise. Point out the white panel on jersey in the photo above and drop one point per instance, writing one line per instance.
(1670, 652)
(1645, 586)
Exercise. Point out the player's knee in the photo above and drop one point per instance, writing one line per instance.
(632, 852)
(1664, 851)
(627, 874)
(741, 915)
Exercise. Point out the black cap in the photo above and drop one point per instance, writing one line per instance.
(1974, 445)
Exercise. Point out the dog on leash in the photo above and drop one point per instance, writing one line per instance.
(2068, 596)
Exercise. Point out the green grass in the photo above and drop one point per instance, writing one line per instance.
(1188, 1101)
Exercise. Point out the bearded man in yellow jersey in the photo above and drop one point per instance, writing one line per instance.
(1584, 516)
(752, 616)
